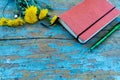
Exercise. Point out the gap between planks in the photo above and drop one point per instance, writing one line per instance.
(49, 38)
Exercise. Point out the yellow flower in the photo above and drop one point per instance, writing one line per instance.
(3, 21)
(43, 13)
(10, 23)
(53, 20)
(31, 14)
(16, 22)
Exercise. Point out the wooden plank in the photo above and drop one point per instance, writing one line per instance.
(34, 52)
(64, 59)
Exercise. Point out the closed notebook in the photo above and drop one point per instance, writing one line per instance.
(86, 19)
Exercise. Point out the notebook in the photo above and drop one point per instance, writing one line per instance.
(87, 18)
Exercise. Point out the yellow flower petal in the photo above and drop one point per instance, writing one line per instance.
(16, 22)
(10, 23)
(1, 24)
(31, 14)
(3, 21)
(53, 19)
(43, 13)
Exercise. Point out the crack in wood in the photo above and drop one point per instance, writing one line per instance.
(49, 38)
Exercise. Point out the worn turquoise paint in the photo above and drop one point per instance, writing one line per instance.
(34, 52)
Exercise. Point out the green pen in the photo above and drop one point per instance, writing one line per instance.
(116, 27)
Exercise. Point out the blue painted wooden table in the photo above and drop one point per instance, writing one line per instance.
(34, 52)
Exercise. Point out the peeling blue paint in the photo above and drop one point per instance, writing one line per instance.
(16, 50)
(53, 57)
(56, 31)
(117, 77)
(75, 47)
(103, 63)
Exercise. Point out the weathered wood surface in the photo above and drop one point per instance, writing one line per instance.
(34, 52)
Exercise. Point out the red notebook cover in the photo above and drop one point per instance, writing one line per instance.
(89, 17)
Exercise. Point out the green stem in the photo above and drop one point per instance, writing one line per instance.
(26, 3)
(36, 5)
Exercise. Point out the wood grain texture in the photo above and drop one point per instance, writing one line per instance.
(34, 52)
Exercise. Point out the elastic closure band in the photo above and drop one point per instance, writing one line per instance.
(95, 22)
